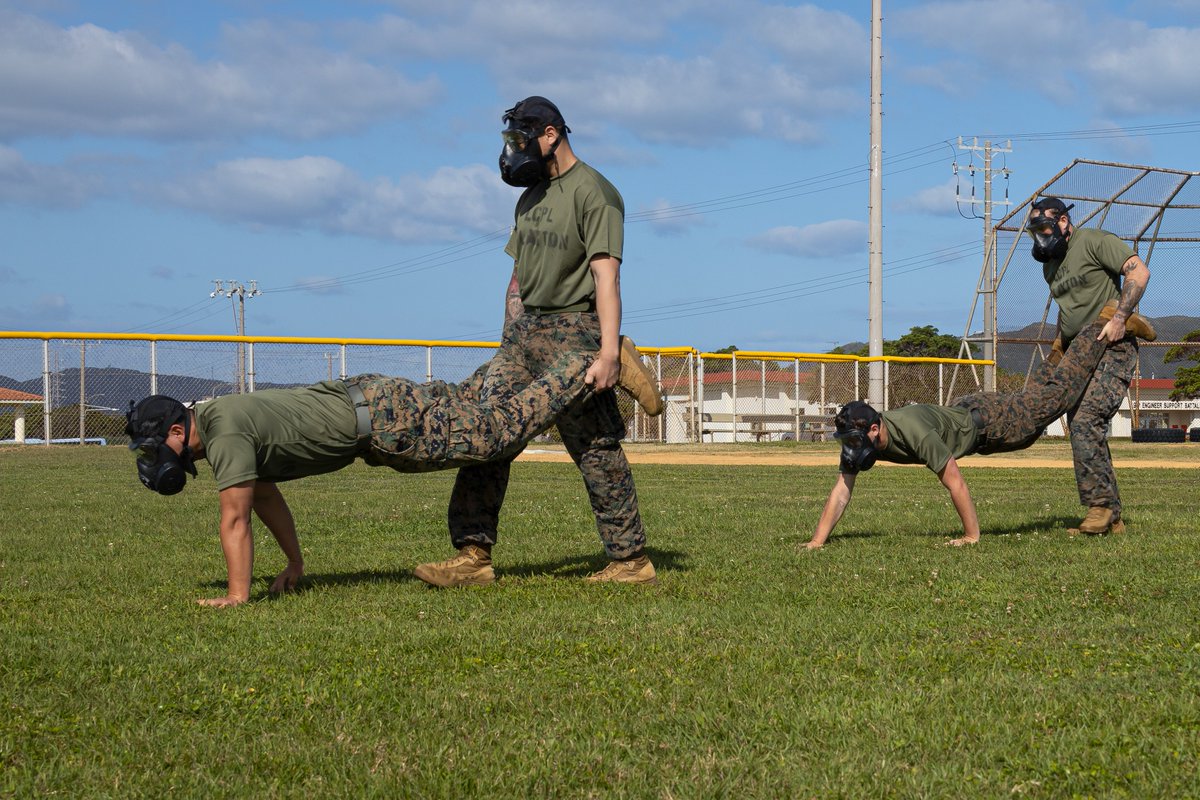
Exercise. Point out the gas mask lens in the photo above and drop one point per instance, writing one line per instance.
(1042, 223)
(853, 439)
(147, 452)
(517, 139)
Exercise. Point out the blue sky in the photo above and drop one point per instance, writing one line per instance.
(343, 154)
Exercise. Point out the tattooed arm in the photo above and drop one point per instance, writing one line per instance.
(513, 307)
(1137, 275)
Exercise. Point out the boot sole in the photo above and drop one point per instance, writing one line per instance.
(453, 583)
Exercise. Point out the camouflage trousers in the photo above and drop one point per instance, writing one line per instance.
(1089, 421)
(1088, 386)
(1015, 421)
(591, 432)
(421, 427)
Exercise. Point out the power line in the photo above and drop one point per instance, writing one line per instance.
(816, 184)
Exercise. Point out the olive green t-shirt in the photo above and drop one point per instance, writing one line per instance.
(1086, 278)
(561, 224)
(278, 434)
(928, 434)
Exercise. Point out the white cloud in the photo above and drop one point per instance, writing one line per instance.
(837, 237)
(763, 71)
(39, 185)
(940, 200)
(89, 80)
(667, 219)
(315, 192)
(1125, 66)
(46, 312)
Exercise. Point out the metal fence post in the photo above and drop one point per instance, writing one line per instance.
(153, 367)
(46, 399)
(796, 404)
(662, 418)
(733, 382)
(822, 409)
(250, 363)
(887, 380)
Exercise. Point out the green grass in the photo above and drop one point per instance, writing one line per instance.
(885, 665)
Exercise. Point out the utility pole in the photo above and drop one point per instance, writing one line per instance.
(988, 278)
(329, 363)
(236, 289)
(875, 236)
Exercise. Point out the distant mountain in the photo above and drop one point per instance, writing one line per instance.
(114, 387)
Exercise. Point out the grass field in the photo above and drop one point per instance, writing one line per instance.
(886, 665)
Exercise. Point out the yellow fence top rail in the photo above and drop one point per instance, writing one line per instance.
(764, 355)
(186, 337)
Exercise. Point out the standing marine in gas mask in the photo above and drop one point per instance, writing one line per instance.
(1088, 269)
(564, 295)
(985, 423)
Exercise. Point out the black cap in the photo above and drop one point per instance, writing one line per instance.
(536, 112)
(152, 418)
(1052, 204)
(854, 416)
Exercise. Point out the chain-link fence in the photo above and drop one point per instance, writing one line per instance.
(71, 390)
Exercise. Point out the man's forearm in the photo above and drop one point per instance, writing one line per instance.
(237, 542)
(608, 310)
(1137, 276)
(513, 307)
(960, 496)
(273, 510)
(835, 506)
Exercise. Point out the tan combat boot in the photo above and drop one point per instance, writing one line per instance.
(1056, 352)
(471, 567)
(1138, 325)
(633, 570)
(1099, 520)
(638, 380)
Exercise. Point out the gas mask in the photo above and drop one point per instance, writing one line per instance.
(1049, 244)
(858, 451)
(852, 423)
(159, 467)
(521, 161)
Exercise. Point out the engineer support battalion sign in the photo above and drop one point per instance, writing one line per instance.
(1169, 405)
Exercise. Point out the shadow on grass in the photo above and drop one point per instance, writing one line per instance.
(1057, 524)
(567, 567)
(578, 566)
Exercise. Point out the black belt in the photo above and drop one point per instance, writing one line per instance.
(980, 425)
(585, 306)
(362, 415)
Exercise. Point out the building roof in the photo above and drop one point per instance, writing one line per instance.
(1154, 383)
(13, 396)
